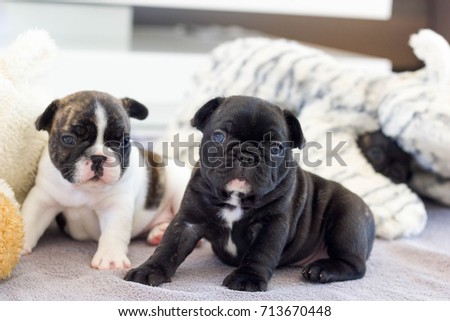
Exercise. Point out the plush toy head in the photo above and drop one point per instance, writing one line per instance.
(11, 231)
(414, 107)
(21, 102)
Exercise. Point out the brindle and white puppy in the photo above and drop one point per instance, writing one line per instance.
(106, 187)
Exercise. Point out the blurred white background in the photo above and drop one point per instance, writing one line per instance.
(149, 49)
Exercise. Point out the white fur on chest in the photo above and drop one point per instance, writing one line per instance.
(230, 215)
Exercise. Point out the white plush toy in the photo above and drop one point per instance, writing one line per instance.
(20, 144)
(335, 105)
(21, 102)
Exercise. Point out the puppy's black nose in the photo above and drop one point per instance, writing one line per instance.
(97, 164)
(98, 158)
(247, 160)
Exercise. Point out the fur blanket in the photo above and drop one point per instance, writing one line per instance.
(336, 104)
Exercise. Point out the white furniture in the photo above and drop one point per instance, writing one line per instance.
(89, 23)
(367, 9)
(158, 80)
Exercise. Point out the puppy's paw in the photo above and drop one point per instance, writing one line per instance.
(316, 273)
(331, 270)
(156, 234)
(110, 261)
(152, 275)
(244, 281)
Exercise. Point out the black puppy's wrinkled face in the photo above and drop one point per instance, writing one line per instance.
(89, 136)
(386, 157)
(246, 141)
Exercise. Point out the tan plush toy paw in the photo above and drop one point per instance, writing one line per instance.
(11, 231)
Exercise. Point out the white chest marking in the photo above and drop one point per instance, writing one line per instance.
(231, 215)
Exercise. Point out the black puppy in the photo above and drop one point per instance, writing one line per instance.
(258, 208)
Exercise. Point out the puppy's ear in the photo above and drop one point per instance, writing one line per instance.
(202, 115)
(44, 122)
(134, 108)
(295, 130)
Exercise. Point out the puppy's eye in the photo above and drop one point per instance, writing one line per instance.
(69, 139)
(276, 149)
(126, 142)
(218, 136)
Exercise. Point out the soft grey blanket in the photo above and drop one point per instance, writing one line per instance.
(406, 269)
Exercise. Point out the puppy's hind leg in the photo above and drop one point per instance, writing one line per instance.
(159, 225)
(156, 233)
(349, 240)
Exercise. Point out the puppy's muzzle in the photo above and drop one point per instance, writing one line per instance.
(247, 155)
(97, 164)
(248, 160)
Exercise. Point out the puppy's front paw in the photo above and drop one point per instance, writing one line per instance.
(152, 275)
(110, 261)
(244, 281)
